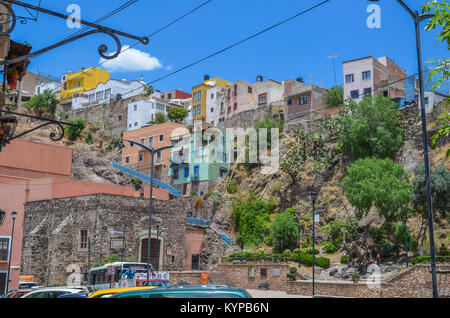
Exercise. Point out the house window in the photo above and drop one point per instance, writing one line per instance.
(169, 96)
(196, 171)
(289, 102)
(129, 125)
(143, 141)
(350, 78)
(366, 75)
(223, 172)
(262, 99)
(108, 93)
(4, 249)
(158, 156)
(212, 96)
(250, 90)
(161, 138)
(150, 141)
(121, 103)
(426, 101)
(194, 97)
(83, 242)
(176, 174)
(131, 144)
(235, 90)
(368, 91)
(222, 108)
(303, 100)
(186, 172)
(354, 94)
(229, 110)
(99, 96)
(141, 157)
(120, 117)
(135, 107)
(212, 110)
(127, 159)
(135, 124)
(263, 272)
(386, 93)
(235, 106)
(91, 98)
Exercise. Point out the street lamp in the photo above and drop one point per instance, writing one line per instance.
(406, 240)
(313, 199)
(417, 19)
(13, 215)
(152, 151)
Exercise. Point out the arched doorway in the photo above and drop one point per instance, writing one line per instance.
(155, 251)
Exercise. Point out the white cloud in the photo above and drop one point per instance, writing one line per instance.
(131, 60)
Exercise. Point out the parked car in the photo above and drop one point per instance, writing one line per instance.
(73, 296)
(188, 291)
(55, 292)
(27, 285)
(108, 293)
(17, 293)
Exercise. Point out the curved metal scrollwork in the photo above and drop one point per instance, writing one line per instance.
(102, 49)
(11, 21)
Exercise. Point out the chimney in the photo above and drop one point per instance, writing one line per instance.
(206, 77)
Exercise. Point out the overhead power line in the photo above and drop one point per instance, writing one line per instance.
(150, 35)
(233, 45)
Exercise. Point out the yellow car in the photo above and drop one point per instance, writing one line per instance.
(107, 293)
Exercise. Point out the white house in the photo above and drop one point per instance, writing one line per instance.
(52, 86)
(103, 93)
(141, 112)
(215, 105)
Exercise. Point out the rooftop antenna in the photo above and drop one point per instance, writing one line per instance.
(334, 57)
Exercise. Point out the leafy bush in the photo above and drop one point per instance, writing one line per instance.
(264, 285)
(89, 138)
(287, 253)
(427, 259)
(292, 275)
(379, 234)
(231, 187)
(334, 96)
(388, 249)
(329, 247)
(443, 250)
(356, 278)
(344, 259)
(307, 260)
(251, 217)
(215, 260)
(284, 231)
(73, 132)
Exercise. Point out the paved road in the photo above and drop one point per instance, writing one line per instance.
(256, 293)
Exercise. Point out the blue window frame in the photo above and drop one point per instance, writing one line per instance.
(186, 172)
(366, 75)
(354, 94)
(176, 174)
(197, 171)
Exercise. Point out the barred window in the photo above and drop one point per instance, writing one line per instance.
(83, 239)
(4, 249)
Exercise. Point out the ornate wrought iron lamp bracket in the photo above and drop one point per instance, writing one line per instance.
(102, 49)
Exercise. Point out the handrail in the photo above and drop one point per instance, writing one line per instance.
(146, 178)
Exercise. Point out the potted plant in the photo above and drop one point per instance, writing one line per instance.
(12, 78)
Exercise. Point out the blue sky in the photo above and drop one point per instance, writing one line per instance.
(298, 48)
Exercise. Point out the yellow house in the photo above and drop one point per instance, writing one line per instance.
(82, 81)
(199, 96)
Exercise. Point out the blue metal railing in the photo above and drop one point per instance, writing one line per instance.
(146, 178)
(203, 222)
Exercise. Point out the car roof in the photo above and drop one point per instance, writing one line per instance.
(192, 288)
(119, 290)
(74, 290)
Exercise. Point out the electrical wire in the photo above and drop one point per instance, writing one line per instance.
(232, 45)
(149, 36)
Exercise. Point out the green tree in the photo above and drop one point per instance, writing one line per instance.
(372, 128)
(378, 183)
(440, 190)
(160, 118)
(441, 20)
(284, 231)
(177, 114)
(74, 131)
(334, 97)
(148, 91)
(43, 103)
(251, 218)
